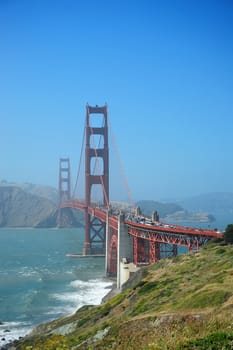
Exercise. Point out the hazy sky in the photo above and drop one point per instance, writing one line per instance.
(165, 69)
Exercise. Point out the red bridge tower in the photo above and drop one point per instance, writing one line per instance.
(64, 185)
(95, 230)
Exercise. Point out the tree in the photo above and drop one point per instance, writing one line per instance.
(228, 234)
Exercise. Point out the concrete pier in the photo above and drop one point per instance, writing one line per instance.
(124, 251)
(107, 242)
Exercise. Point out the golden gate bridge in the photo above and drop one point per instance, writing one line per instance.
(119, 235)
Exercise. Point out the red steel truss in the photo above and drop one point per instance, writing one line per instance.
(190, 241)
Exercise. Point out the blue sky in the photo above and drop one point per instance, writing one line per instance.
(165, 69)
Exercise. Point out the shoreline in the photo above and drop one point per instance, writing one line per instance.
(110, 293)
(12, 344)
(11, 331)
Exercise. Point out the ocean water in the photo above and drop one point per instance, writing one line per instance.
(39, 282)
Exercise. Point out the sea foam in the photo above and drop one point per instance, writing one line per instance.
(10, 331)
(84, 293)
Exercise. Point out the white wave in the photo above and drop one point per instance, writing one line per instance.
(4, 325)
(10, 331)
(68, 297)
(99, 283)
(83, 293)
(56, 312)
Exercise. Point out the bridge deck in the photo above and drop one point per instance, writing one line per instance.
(103, 215)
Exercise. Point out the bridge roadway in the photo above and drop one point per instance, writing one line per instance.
(134, 241)
(151, 231)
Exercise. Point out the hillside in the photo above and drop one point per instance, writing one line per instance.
(215, 203)
(173, 212)
(163, 209)
(21, 208)
(43, 191)
(184, 302)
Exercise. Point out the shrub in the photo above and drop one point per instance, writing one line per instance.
(217, 340)
(220, 251)
(228, 234)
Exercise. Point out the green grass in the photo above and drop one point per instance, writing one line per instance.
(204, 299)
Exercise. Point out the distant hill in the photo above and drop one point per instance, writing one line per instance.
(20, 208)
(163, 209)
(44, 191)
(31, 205)
(173, 212)
(215, 203)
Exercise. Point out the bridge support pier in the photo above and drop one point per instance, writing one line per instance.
(119, 251)
(124, 251)
(107, 243)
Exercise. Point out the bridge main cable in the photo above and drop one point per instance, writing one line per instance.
(121, 167)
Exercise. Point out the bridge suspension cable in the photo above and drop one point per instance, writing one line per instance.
(121, 166)
(79, 166)
(97, 165)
